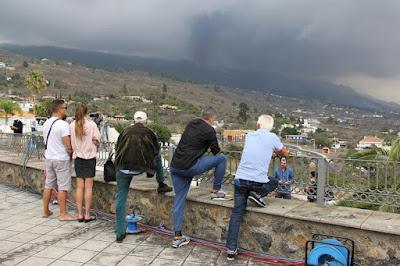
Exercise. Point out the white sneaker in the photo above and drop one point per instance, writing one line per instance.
(180, 241)
(231, 254)
(220, 195)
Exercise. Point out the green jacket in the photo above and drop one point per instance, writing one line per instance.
(136, 149)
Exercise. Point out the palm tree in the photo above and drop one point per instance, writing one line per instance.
(9, 108)
(36, 83)
(394, 153)
(372, 153)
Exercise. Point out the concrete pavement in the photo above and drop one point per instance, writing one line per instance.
(28, 239)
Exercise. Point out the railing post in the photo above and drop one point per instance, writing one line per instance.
(321, 181)
(170, 154)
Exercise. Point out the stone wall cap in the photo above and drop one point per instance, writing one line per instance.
(388, 223)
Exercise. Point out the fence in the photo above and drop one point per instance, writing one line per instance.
(360, 183)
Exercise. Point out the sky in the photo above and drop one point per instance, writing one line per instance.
(349, 42)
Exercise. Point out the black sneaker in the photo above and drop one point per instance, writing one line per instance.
(120, 238)
(257, 199)
(163, 188)
(231, 254)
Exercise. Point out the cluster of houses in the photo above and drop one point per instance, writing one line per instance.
(308, 126)
(136, 98)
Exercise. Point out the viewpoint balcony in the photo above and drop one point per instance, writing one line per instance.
(281, 229)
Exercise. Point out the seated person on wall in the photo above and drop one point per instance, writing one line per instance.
(188, 161)
(252, 175)
(135, 153)
(311, 188)
(285, 176)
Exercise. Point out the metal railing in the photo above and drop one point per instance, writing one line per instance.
(32, 146)
(360, 183)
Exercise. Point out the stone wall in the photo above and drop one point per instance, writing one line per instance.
(282, 229)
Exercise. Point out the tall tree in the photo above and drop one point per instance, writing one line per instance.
(243, 109)
(155, 97)
(124, 89)
(394, 153)
(289, 131)
(36, 83)
(162, 132)
(9, 108)
(164, 91)
(43, 108)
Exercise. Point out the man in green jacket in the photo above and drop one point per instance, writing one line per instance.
(136, 152)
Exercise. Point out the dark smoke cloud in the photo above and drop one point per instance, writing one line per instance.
(310, 38)
(314, 38)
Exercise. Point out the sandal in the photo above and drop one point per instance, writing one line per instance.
(89, 220)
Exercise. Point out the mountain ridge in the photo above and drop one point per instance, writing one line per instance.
(248, 80)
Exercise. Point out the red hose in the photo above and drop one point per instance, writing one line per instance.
(162, 231)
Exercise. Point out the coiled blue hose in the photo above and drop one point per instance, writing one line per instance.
(331, 252)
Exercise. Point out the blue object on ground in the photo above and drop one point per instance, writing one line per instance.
(132, 221)
(331, 252)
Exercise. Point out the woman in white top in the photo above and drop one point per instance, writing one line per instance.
(85, 137)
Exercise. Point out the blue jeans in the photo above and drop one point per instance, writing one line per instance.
(181, 180)
(242, 191)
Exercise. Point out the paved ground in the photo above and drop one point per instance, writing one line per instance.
(28, 239)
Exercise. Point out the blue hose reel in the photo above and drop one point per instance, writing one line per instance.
(132, 221)
(329, 251)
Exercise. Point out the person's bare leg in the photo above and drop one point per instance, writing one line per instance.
(88, 196)
(46, 202)
(62, 203)
(80, 185)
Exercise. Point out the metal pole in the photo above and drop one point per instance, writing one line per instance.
(321, 181)
(170, 154)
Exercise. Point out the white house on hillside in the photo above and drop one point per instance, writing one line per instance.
(310, 125)
(26, 106)
(369, 141)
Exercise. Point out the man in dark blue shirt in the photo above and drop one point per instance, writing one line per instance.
(286, 177)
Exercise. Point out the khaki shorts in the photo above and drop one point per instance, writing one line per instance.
(58, 175)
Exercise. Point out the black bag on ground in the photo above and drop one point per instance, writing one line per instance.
(109, 169)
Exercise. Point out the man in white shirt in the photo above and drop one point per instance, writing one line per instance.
(58, 152)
